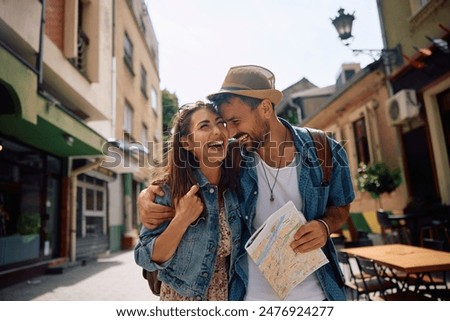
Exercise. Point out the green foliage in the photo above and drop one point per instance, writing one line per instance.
(29, 223)
(292, 116)
(377, 179)
(170, 108)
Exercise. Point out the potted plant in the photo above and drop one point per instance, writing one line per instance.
(377, 179)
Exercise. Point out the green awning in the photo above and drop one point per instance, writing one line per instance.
(29, 117)
(52, 138)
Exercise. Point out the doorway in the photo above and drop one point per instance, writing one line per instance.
(419, 166)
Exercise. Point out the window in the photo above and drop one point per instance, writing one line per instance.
(94, 225)
(90, 199)
(144, 135)
(99, 201)
(361, 141)
(421, 9)
(143, 81)
(154, 99)
(142, 25)
(128, 119)
(128, 52)
(91, 217)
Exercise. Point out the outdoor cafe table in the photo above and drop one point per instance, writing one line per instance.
(404, 258)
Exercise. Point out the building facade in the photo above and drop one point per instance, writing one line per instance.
(355, 115)
(397, 114)
(137, 106)
(64, 93)
(423, 81)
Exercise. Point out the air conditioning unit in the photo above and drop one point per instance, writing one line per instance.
(402, 106)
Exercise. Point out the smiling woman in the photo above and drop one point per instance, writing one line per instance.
(192, 253)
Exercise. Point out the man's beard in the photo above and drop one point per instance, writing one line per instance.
(252, 144)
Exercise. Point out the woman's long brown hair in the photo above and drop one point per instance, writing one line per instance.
(180, 163)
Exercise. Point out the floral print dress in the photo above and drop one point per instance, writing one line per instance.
(218, 288)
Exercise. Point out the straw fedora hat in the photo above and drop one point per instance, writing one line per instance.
(251, 81)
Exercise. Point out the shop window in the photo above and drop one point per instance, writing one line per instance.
(90, 200)
(99, 201)
(29, 207)
(94, 225)
(91, 207)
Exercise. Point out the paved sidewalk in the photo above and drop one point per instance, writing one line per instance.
(115, 277)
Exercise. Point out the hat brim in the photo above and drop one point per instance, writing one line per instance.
(273, 95)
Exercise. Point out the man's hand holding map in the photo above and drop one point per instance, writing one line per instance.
(269, 248)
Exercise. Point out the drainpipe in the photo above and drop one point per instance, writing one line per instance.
(73, 210)
(113, 73)
(128, 234)
(386, 69)
(40, 55)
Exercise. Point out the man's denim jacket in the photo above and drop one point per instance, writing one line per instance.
(315, 198)
(190, 269)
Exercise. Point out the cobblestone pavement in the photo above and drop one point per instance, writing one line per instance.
(114, 277)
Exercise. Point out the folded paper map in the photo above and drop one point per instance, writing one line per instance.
(269, 247)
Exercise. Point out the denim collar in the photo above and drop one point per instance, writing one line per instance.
(200, 178)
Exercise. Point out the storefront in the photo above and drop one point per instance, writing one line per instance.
(39, 141)
(30, 184)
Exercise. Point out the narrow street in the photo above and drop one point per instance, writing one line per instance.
(115, 277)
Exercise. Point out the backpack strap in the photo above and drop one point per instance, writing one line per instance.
(323, 150)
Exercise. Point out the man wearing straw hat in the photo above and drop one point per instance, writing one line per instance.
(276, 158)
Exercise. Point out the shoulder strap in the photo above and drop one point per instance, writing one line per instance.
(323, 150)
(324, 155)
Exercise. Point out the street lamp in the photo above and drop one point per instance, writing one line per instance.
(344, 23)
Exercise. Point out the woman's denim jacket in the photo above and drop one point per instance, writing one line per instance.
(190, 269)
(315, 198)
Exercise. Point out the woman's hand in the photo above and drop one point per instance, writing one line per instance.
(189, 207)
(187, 210)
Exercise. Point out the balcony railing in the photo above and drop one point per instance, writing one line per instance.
(80, 62)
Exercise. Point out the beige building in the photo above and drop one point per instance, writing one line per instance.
(355, 114)
(137, 109)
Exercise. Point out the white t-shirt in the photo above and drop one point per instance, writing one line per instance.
(284, 190)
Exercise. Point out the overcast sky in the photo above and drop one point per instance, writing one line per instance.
(199, 40)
